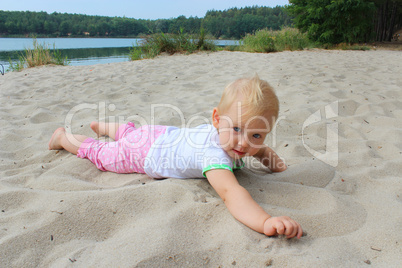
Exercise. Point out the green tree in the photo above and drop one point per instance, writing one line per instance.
(11, 27)
(161, 26)
(235, 22)
(64, 28)
(334, 21)
(213, 25)
(103, 28)
(2, 22)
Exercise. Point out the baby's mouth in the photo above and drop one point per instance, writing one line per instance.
(239, 152)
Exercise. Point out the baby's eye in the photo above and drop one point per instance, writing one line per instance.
(237, 129)
(257, 136)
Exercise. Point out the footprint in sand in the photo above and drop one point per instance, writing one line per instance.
(303, 193)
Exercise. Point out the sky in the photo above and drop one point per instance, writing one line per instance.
(138, 9)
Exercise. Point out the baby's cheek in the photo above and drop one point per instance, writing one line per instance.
(253, 151)
(225, 140)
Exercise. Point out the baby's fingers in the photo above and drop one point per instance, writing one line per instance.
(282, 226)
(299, 231)
(293, 229)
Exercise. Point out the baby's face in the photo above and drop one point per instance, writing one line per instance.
(240, 136)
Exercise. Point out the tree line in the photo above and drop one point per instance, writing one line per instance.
(325, 21)
(231, 23)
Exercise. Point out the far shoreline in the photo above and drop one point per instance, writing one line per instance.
(95, 37)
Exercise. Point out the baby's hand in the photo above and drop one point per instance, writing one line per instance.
(282, 225)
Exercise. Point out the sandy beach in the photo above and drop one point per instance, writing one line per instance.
(339, 131)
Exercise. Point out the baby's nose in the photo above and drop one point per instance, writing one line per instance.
(242, 142)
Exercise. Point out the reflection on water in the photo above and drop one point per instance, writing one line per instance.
(95, 52)
(90, 56)
(83, 56)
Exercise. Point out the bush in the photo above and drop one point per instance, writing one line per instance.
(273, 41)
(291, 39)
(261, 41)
(156, 44)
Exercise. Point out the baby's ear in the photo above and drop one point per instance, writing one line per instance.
(215, 117)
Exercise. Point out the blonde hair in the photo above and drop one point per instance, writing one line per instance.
(257, 97)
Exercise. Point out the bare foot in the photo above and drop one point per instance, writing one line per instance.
(54, 143)
(95, 127)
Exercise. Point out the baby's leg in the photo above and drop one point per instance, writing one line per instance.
(105, 129)
(63, 140)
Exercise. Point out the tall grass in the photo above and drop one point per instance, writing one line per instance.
(155, 44)
(273, 41)
(39, 55)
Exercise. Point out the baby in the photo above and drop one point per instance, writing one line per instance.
(245, 115)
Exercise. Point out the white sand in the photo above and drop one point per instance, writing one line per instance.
(58, 210)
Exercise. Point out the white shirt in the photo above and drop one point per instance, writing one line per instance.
(186, 153)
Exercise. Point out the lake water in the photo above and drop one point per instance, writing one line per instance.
(80, 51)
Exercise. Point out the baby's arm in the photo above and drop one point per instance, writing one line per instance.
(270, 159)
(242, 206)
